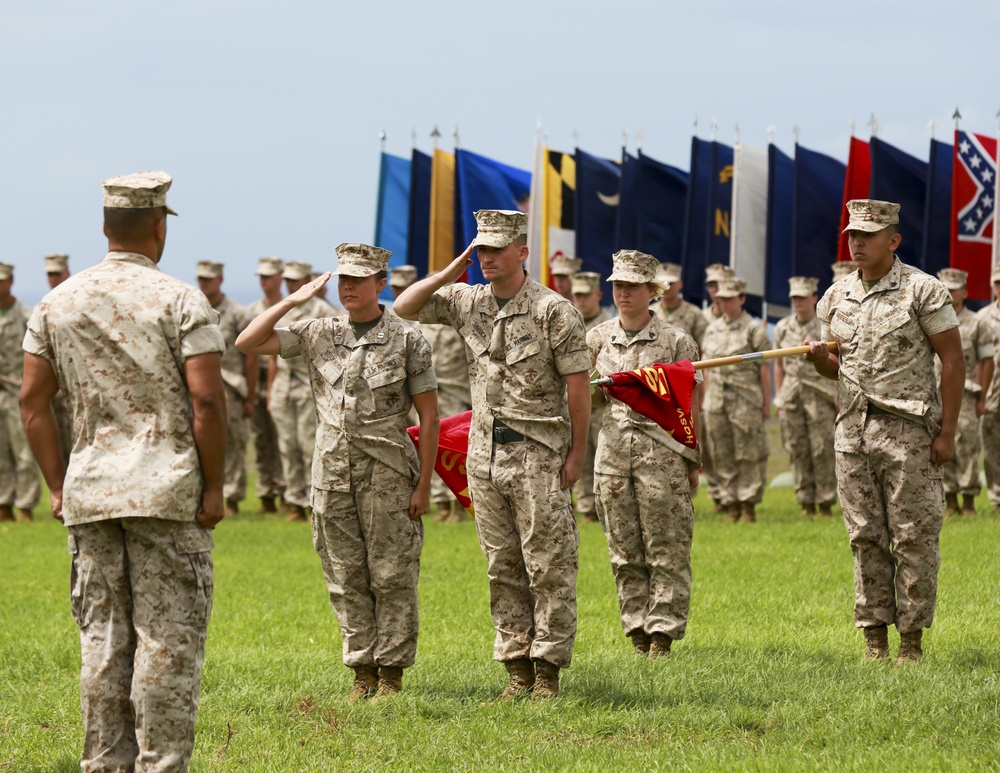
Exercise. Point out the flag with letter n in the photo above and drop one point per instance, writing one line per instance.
(661, 392)
(453, 450)
(973, 205)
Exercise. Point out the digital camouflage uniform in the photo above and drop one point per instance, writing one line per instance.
(990, 424)
(643, 496)
(687, 317)
(20, 485)
(732, 424)
(451, 367)
(518, 356)
(363, 475)
(270, 478)
(961, 474)
(293, 411)
(117, 336)
(808, 413)
(583, 489)
(233, 319)
(890, 413)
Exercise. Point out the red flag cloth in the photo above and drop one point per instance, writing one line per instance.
(973, 205)
(857, 184)
(661, 392)
(453, 449)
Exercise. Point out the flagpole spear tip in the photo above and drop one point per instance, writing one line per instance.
(957, 116)
(454, 134)
(854, 126)
(932, 125)
(435, 135)
(796, 130)
(771, 131)
(381, 139)
(694, 126)
(737, 133)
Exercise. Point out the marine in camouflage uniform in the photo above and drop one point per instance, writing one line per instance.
(807, 404)
(57, 272)
(137, 353)
(990, 424)
(291, 399)
(587, 299)
(19, 481)
(561, 270)
(267, 458)
(529, 370)
(894, 430)
(366, 368)
(737, 400)
(961, 475)
(644, 476)
(239, 374)
(674, 309)
(714, 274)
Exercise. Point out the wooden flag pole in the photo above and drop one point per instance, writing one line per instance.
(736, 359)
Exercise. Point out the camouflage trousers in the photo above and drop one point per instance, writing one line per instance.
(20, 482)
(270, 479)
(584, 488)
(648, 519)
(448, 405)
(294, 417)
(807, 425)
(961, 474)
(235, 479)
(141, 596)
(527, 531)
(370, 553)
(738, 447)
(990, 433)
(893, 507)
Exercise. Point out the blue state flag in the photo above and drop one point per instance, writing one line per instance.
(900, 177)
(818, 195)
(419, 232)
(662, 192)
(598, 186)
(482, 183)
(627, 219)
(694, 249)
(780, 219)
(936, 247)
(392, 211)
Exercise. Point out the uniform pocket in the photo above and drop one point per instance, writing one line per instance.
(388, 391)
(192, 598)
(80, 581)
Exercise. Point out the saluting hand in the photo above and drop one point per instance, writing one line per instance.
(309, 289)
(457, 267)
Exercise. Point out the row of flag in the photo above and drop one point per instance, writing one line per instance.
(767, 214)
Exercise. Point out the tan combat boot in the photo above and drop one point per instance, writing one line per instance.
(24, 515)
(458, 513)
(659, 645)
(951, 506)
(267, 506)
(6, 513)
(640, 641)
(232, 507)
(748, 512)
(296, 513)
(826, 511)
(877, 641)
(546, 681)
(910, 651)
(441, 511)
(521, 681)
(808, 508)
(365, 683)
(390, 682)
(968, 504)
(732, 513)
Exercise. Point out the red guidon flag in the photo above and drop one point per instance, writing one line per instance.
(453, 448)
(661, 392)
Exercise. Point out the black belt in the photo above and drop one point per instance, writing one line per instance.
(504, 435)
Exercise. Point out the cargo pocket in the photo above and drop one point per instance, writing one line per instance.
(80, 585)
(192, 601)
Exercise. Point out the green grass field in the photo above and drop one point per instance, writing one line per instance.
(769, 676)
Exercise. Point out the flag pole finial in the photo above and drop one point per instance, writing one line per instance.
(737, 132)
(854, 126)
(873, 125)
(413, 137)
(625, 137)
(796, 130)
(576, 137)
(957, 116)
(381, 139)
(714, 126)
(771, 131)
(932, 124)
(638, 139)
(694, 125)
(435, 135)
(454, 135)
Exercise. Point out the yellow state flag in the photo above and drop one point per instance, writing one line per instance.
(558, 234)
(441, 249)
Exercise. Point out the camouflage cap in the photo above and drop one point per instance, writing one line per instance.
(361, 260)
(717, 272)
(586, 282)
(499, 227)
(953, 278)
(209, 269)
(402, 276)
(56, 263)
(733, 287)
(802, 286)
(668, 273)
(870, 215)
(6, 271)
(565, 265)
(296, 270)
(634, 267)
(270, 266)
(142, 190)
(842, 268)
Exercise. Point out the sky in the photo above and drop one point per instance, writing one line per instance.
(268, 114)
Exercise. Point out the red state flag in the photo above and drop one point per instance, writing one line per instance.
(857, 184)
(453, 450)
(661, 392)
(973, 205)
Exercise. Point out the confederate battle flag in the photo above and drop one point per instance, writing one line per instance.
(973, 204)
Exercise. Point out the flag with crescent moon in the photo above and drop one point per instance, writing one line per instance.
(598, 187)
